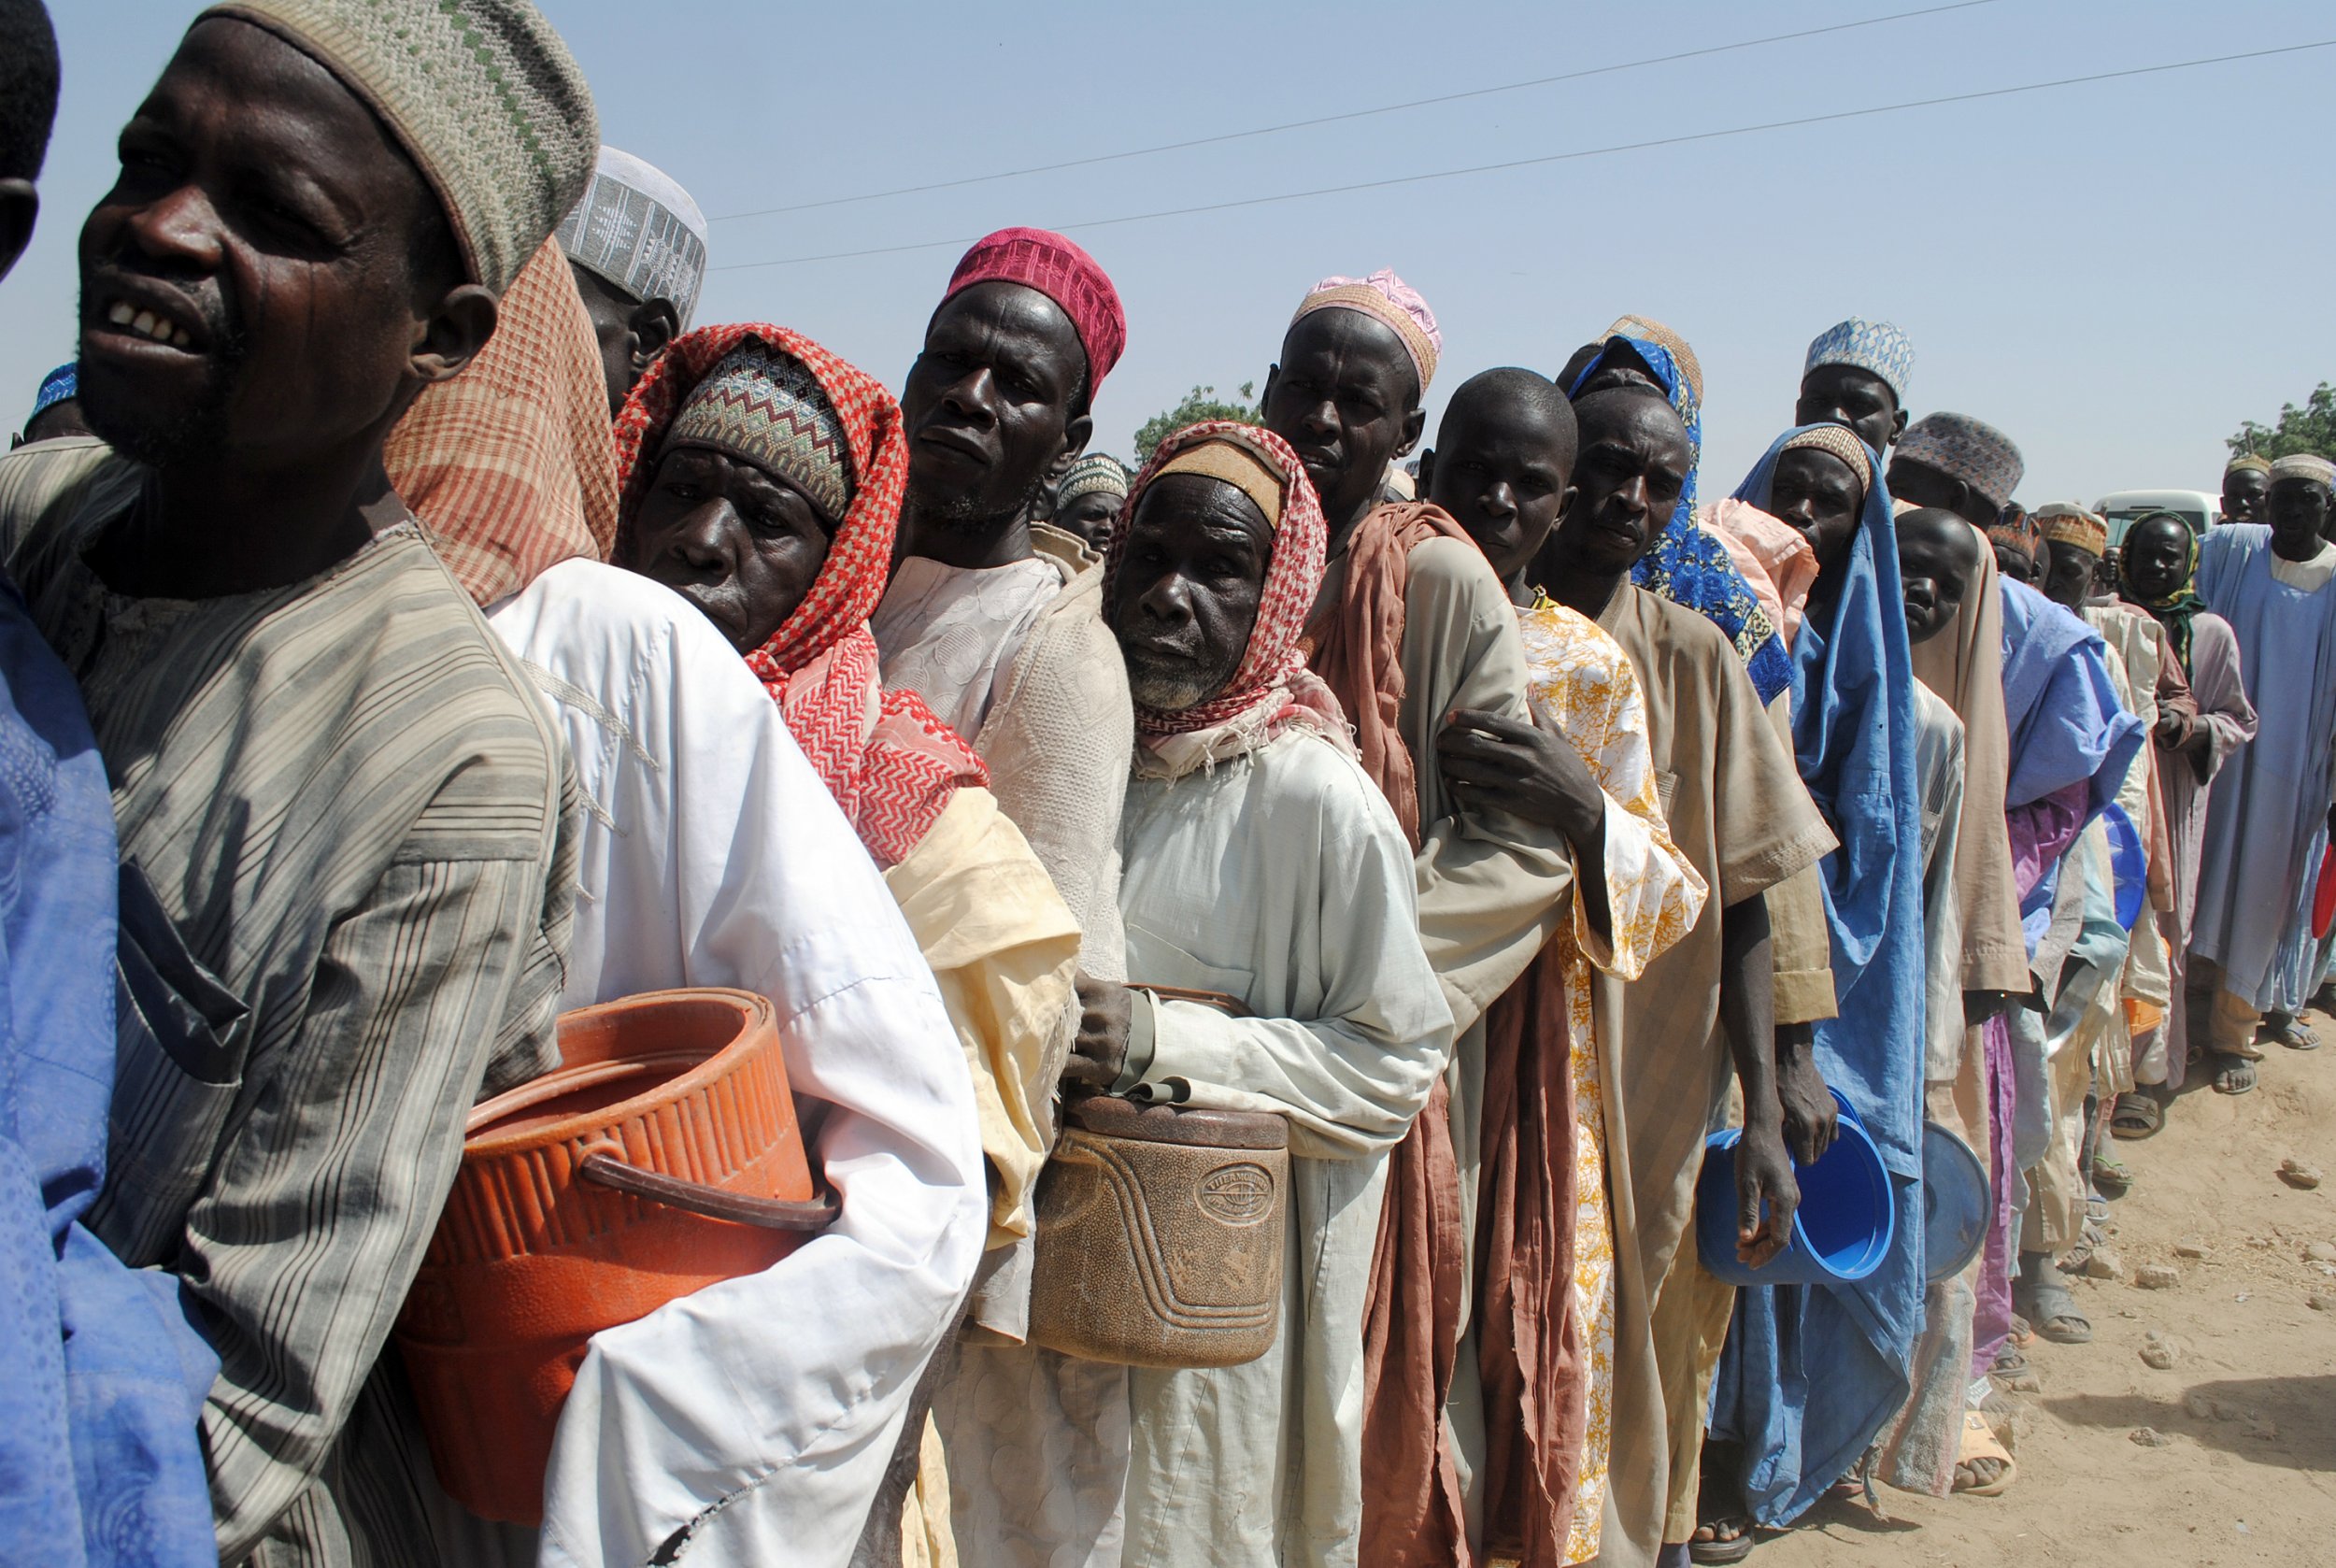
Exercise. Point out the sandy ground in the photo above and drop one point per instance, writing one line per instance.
(2247, 1413)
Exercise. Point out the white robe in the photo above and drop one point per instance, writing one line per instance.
(1280, 877)
(759, 1413)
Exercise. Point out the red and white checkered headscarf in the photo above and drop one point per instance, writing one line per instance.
(891, 765)
(1272, 688)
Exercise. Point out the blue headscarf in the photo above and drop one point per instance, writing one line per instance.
(1686, 566)
(1853, 723)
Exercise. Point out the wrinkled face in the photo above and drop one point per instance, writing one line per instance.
(988, 405)
(1186, 595)
(249, 286)
(1503, 470)
(1089, 516)
(1821, 496)
(2244, 494)
(1626, 481)
(1938, 561)
(2068, 574)
(1347, 399)
(2157, 556)
(2016, 565)
(1859, 399)
(737, 540)
(2299, 512)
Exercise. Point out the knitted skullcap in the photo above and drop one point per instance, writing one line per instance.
(1389, 299)
(2303, 466)
(2249, 463)
(1654, 331)
(1045, 261)
(1965, 449)
(1842, 443)
(1226, 457)
(482, 94)
(2015, 528)
(2064, 522)
(1096, 473)
(59, 384)
(1879, 347)
(767, 407)
(640, 231)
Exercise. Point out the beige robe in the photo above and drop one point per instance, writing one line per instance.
(1738, 812)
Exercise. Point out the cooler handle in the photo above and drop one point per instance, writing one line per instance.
(712, 1202)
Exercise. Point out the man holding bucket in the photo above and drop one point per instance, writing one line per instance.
(1260, 863)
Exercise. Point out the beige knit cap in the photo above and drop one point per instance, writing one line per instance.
(482, 94)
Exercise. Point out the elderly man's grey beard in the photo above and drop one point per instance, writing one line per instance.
(1168, 686)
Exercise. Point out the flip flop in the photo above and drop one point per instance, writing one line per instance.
(2236, 1075)
(1979, 1442)
(2135, 1115)
(2054, 1311)
(1714, 1553)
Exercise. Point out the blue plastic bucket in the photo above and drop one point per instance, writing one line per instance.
(1841, 1231)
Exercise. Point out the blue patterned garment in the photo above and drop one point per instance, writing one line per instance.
(1688, 566)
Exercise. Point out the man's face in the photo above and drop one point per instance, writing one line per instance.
(2068, 574)
(737, 540)
(631, 333)
(1925, 486)
(988, 405)
(1938, 560)
(1860, 400)
(1186, 595)
(247, 286)
(2244, 494)
(1502, 472)
(1633, 464)
(1821, 496)
(2299, 512)
(1347, 399)
(1087, 515)
(2016, 565)
(2158, 556)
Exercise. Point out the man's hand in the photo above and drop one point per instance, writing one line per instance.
(1100, 1051)
(1504, 765)
(1764, 1175)
(2175, 729)
(1812, 1118)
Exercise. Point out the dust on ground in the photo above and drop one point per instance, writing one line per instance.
(2246, 1414)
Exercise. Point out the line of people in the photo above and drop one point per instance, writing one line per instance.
(423, 630)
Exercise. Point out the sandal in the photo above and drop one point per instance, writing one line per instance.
(2234, 1074)
(1717, 1551)
(2135, 1115)
(2053, 1309)
(2289, 1031)
(1979, 1446)
(2114, 1179)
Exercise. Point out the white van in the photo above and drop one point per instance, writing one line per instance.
(2199, 509)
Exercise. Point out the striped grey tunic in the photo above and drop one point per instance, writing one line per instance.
(345, 893)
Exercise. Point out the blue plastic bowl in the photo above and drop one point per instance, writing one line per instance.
(1841, 1231)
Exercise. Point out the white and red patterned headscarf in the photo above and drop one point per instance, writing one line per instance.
(1272, 689)
(888, 762)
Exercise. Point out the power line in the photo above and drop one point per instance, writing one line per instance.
(1354, 114)
(1567, 157)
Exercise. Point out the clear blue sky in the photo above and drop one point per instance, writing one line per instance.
(2115, 274)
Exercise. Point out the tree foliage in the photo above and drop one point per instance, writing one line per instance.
(2309, 429)
(1201, 403)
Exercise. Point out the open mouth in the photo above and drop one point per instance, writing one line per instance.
(141, 322)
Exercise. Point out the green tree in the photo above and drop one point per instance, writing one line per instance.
(2310, 429)
(1201, 403)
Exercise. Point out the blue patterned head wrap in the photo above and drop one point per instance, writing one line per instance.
(1688, 566)
(59, 384)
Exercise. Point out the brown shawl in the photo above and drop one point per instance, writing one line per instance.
(1412, 1510)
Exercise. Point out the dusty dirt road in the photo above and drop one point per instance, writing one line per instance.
(2247, 1413)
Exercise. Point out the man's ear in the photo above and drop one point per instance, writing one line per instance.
(1076, 434)
(1424, 481)
(654, 325)
(1414, 427)
(1565, 505)
(1898, 428)
(20, 208)
(1265, 398)
(455, 334)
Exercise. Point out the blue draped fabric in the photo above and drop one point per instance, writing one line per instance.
(1686, 566)
(1812, 1373)
(100, 1460)
(2267, 819)
(2060, 705)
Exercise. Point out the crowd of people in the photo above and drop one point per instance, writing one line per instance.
(420, 628)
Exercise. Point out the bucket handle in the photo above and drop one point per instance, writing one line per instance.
(712, 1202)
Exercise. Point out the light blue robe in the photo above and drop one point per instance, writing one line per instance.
(2267, 822)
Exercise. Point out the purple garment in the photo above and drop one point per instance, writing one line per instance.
(1991, 1324)
(2042, 832)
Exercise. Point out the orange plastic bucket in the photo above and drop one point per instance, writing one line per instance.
(661, 1156)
